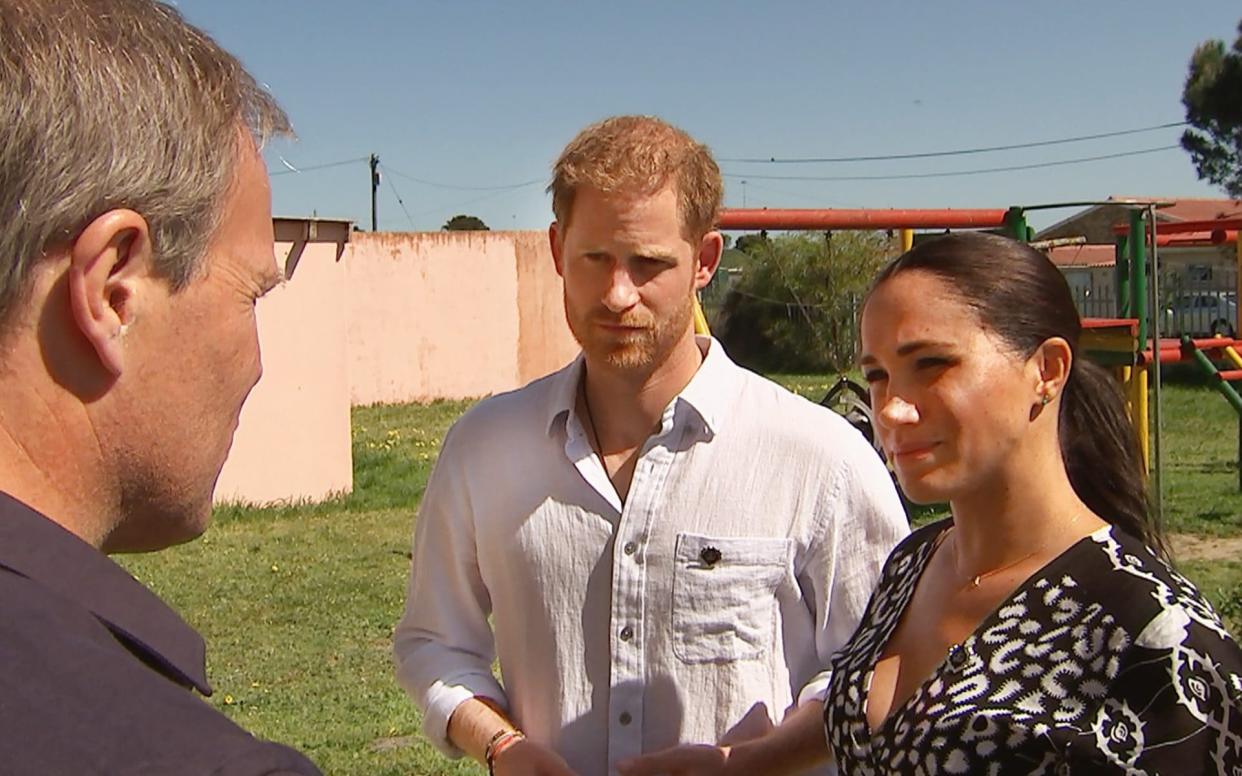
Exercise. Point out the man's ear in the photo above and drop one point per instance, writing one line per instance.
(107, 262)
(554, 242)
(711, 247)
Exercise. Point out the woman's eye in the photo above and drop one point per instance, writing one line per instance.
(932, 362)
(874, 375)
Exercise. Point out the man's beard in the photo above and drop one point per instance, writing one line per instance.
(647, 346)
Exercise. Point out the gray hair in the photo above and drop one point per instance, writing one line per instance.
(110, 104)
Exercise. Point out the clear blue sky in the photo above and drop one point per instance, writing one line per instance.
(476, 95)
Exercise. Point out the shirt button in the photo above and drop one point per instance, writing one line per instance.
(627, 633)
(630, 548)
(626, 718)
(957, 658)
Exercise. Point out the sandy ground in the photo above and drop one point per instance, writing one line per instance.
(1191, 547)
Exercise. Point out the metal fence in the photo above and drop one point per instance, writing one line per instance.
(1197, 300)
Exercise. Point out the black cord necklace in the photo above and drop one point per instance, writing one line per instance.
(597, 447)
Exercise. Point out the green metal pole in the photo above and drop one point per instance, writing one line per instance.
(1208, 367)
(1121, 271)
(1015, 222)
(1138, 274)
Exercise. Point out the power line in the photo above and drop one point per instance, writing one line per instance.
(958, 152)
(459, 205)
(293, 169)
(400, 201)
(800, 195)
(438, 185)
(951, 173)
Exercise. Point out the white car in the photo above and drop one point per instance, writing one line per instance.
(1202, 314)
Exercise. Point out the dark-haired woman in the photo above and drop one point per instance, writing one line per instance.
(1040, 628)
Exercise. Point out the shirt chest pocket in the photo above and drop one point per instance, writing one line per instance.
(724, 596)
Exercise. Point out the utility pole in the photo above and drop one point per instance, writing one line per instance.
(375, 182)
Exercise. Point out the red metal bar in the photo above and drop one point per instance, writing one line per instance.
(1215, 237)
(1167, 356)
(1214, 343)
(1232, 374)
(1171, 350)
(1182, 227)
(834, 218)
(1111, 323)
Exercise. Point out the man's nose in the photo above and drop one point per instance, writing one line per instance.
(622, 294)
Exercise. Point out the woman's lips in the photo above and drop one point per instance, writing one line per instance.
(911, 450)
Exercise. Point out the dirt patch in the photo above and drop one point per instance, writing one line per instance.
(391, 743)
(1195, 547)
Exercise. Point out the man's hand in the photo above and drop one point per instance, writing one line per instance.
(684, 760)
(526, 758)
(791, 747)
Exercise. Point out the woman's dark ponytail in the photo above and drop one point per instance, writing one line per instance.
(1102, 454)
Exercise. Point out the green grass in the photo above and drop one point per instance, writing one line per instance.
(297, 603)
(1200, 482)
(1221, 583)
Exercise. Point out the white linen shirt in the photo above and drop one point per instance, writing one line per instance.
(710, 601)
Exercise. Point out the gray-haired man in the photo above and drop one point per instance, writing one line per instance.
(135, 239)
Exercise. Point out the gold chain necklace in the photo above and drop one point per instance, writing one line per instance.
(973, 582)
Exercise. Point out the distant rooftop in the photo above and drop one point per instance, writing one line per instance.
(1096, 222)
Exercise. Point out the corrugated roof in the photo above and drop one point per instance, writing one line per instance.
(1084, 256)
(1095, 222)
(1192, 208)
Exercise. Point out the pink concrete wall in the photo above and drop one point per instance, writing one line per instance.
(544, 341)
(436, 315)
(399, 317)
(293, 441)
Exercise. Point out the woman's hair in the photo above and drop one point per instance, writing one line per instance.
(1023, 298)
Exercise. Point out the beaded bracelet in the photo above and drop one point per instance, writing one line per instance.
(500, 742)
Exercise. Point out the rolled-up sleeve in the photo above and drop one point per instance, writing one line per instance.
(443, 645)
(862, 521)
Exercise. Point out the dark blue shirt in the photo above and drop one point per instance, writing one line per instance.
(97, 673)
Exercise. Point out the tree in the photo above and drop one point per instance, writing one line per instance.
(750, 243)
(1213, 100)
(795, 304)
(464, 223)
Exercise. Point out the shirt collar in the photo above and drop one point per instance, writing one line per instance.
(706, 393)
(41, 550)
(564, 394)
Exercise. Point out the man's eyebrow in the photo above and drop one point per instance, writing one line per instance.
(655, 252)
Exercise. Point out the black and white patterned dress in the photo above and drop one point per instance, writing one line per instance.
(1104, 661)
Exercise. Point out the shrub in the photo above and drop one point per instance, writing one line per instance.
(795, 302)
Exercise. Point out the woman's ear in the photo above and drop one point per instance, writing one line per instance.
(1051, 363)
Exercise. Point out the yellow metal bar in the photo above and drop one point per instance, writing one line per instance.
(1123, 377)
(1137, 395)
(700, 320)
(907, 241)
(1233, 356)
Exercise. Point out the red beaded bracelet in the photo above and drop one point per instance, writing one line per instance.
(500, 742)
